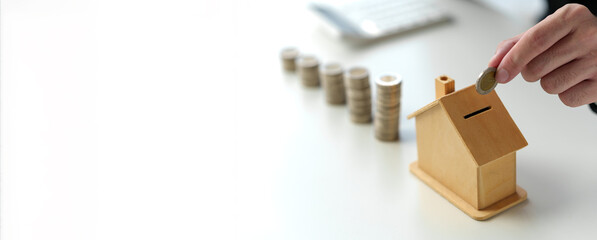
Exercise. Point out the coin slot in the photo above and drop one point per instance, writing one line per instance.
(475, 113)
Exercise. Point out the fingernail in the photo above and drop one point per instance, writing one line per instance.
(502, 76)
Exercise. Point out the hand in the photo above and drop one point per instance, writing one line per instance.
(561, 51)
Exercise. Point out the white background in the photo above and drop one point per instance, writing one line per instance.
(172, 120)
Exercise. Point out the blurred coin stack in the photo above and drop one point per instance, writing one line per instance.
(359, 94)
(308, 67)
(333, 82)
(387, 109)
(288, 56)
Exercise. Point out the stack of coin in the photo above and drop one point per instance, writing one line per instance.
(288, 56)
(333, 82)
(387, 109)
(308, 67)
(359, 94)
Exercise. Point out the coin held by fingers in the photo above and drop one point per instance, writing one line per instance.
(486, 81)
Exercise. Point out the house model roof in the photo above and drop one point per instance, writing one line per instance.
(482, 122)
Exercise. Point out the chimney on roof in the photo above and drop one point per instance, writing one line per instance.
(444, 85)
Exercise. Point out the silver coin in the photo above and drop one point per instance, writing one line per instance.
(389, 81)
(486, 81)
(358, 73)
(332, 69)
(366, 118)
(308, 62)
(290, 53)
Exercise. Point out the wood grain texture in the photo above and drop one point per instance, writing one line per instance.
(467, 145)
(488, 135)
(497, 180)
(444, 85)
(443, 155)
(423, 109)
(510, 201)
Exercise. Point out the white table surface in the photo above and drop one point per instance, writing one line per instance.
(173, 120)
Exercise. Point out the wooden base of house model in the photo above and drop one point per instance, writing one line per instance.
(467, 145)
(519, 196)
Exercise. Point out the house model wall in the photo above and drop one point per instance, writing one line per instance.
(467, 146)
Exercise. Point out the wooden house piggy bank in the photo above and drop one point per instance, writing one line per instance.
(467, 145)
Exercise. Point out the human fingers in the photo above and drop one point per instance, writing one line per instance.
(568, 75)
(562, 52)
(580, 94)
(503, 48)
(538, 39)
